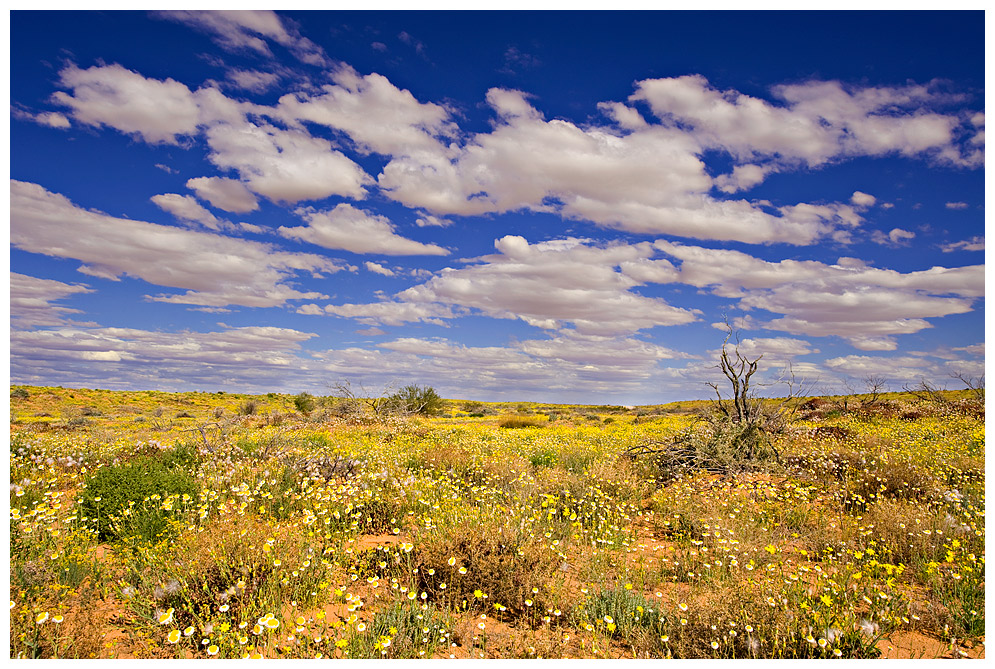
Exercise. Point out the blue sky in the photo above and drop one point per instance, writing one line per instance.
(554, 206)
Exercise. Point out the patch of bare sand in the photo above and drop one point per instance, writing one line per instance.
(371, 541)
(905, 645)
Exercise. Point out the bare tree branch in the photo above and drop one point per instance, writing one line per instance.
(976, 384)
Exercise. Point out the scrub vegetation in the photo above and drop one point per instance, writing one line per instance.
(195, 525)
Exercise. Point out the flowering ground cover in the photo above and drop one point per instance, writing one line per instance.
(162, 525)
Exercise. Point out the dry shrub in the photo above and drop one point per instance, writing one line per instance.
(80, 635)
(866, 479)
(931, 614)
(899, 529)
(894, 480)
(832, 432)
(816, 408)
(506, 470)
(208, 568)
(522, 421)
(443, 457)
(501, 562)
(619, 480)
(826, 465)
(678, 517)
(776, 631)
(457, 462)
(880, 409)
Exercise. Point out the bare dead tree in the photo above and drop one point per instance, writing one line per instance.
(755, 418)
(927, 392)
(739, 370)
(874, 385)
(976, 384)
(844, 401)
(358, 403)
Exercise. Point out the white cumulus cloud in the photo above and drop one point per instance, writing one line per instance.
(31, 300)
(850, 299)
(215, 270)
(250, 29)
(285, 166)
(549, 285)
(228, 194)
(158, 111)
(377, 268)
(350, 229)
(186, 208)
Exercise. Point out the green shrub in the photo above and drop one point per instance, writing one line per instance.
(404, 630)
(19, 393)
(546, 458)
(894, 480)
(183, 456)
(618, 612)
(416, 399)
(248, 407)
(304, 403)
(129, 501)
(285, 495)
(576, 459)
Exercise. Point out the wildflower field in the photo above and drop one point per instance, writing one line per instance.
(189, 525)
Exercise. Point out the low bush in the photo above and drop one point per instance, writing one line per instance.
(544, 458)
(508, 572)
(181, 456)
(416, 400)
(304, 403)
(522, 421)
(406, 629)
(893, 480)
(618, 612)
(137, 500)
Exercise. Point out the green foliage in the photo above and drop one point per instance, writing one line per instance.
(404, 630)
(304, 403)
(183, 456)
(130, 501)
(248, 407)
(618, 612)
(416, 400)
(19, 393)
(286, 492)
(545, 458)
